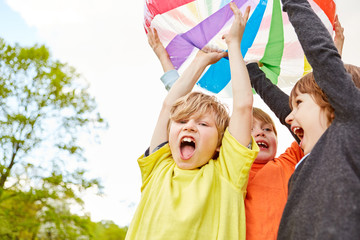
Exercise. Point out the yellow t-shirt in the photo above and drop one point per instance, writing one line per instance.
(205, 203)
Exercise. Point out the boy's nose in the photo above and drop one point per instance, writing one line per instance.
(257, 132)
(289, 118)
(190, 126)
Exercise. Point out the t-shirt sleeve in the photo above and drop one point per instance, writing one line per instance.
(235, 160)
(148, 163)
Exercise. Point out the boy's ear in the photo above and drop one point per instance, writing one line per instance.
(218, 149)
(332, 115)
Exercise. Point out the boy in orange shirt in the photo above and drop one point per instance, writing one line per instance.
(267, 188)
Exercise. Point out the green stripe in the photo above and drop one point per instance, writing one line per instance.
(275, 45)
(208, 4)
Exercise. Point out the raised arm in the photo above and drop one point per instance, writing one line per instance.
(323, 56)
(159, 50)
(170, 73)
(339, 37)
(180, 88)
(272, 95)
(241, 118)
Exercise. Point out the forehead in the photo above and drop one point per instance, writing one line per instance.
(205, 115)
(296, 95)
(259, 122)
(297, 92)
(302, 95)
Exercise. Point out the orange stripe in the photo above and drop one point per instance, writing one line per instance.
(329, 7)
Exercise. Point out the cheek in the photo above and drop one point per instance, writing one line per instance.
(173, 132)
(210, 138)
(326, 119)
(215, 137)
(273, 142)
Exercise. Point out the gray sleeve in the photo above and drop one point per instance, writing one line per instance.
(320, 51)
(169, 78)
(272, 95)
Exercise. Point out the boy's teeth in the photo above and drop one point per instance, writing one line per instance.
(187, 140)
(262, 144)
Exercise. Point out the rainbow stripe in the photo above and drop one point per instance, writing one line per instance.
(184, 26)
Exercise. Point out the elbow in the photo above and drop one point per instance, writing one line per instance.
(166, 106)
(244, 106)
(245, 101)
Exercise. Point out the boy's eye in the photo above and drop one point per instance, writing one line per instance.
(298, 102)
(203, 124)
(182, 121)
(267, 129)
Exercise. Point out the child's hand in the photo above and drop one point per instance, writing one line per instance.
(209, 55)
(155, 44)
(159, 50)
(339, 35)
(237, 28)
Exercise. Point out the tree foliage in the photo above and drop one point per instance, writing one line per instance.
(46, 111)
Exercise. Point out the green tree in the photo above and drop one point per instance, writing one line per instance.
(108, 230)
(45, 113)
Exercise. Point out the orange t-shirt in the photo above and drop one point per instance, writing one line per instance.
(267, 193)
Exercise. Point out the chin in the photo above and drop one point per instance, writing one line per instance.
(261, 160)
(184, 165)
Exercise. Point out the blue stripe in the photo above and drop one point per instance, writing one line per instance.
(218, 75)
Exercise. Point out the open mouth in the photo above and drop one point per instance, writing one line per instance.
(299, 132)
(187, 147)
(262, 144)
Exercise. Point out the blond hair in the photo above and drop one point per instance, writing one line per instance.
(264, 117)
(198, 104)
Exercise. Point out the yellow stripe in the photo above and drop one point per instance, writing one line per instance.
(194, 10)
(307, 67)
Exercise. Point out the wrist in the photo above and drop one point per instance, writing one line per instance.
(163, 56)
(234, 44)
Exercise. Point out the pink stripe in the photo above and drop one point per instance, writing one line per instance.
(155, 7)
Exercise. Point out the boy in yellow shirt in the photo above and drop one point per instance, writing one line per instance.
(196, 170)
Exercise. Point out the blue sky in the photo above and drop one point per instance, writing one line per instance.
(105, 41)
(14, 29)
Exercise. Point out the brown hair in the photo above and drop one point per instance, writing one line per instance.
(308, 85)
(354, 72)
(264, 117)
(197, 103)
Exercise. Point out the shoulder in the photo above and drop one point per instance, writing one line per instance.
(291, 156)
